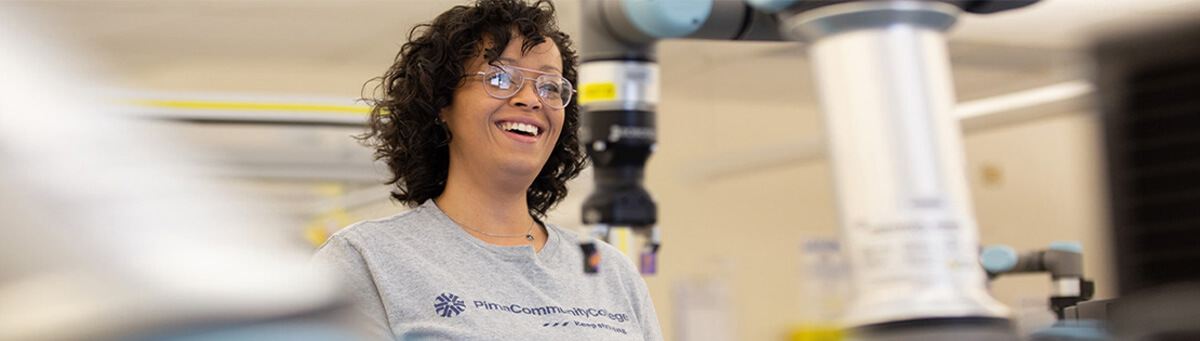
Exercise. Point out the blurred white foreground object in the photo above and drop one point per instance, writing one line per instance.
(107, 232)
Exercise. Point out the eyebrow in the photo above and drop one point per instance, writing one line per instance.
(543, 67)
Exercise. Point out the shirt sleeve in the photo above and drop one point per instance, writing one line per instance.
(643, 305)
(344, 260)
(647, 317)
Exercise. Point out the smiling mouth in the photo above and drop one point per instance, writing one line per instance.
(519, 128)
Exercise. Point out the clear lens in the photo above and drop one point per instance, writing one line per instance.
(554, 90)
(501, 83)
(504, 82)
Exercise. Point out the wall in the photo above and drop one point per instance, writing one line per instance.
(744, 229)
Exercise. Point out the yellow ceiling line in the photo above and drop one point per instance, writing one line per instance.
(341, 109)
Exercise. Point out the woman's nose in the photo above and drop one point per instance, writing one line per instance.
(527, 96)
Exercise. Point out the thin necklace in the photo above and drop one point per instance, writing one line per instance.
(528, 234)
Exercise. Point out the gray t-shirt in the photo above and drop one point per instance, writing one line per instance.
(418, 276)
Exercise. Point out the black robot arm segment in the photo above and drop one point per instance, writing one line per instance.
(791, 7)
(618, 92)
(618, 95)
(889, 118)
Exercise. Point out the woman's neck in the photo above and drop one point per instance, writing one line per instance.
(488, 205)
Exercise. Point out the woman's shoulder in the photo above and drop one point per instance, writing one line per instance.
(399, 224)
(567, 234)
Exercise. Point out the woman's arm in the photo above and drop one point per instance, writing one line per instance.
(341, 258)
(647, 317)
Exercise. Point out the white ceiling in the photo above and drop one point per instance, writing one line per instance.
(333, 47)
(135, 34)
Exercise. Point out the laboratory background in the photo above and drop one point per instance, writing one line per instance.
(127, 124)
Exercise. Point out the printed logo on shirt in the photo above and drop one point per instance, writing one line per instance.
(553, 310)
(585, 325)
(449, 305)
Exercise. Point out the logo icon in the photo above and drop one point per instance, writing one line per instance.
(449, 305)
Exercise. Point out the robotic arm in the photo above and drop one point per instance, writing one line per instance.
(1062, 260)
(619, 96)
(884, 83)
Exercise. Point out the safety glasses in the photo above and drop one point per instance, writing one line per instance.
(504, 81)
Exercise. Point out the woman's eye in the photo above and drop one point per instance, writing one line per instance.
(500, 80)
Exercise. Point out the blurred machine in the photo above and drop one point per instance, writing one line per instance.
(884, 82)
(1062, 260)
(1149, 87)
(1148, 83)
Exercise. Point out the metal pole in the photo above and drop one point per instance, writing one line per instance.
(884, 83)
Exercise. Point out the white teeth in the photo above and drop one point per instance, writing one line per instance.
(522, 127)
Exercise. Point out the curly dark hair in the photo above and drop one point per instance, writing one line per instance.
(403, 126)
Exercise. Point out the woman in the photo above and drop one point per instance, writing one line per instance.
(477, 123)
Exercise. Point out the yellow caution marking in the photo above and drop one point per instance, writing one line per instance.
(623, 239)
(596, 92)
(815, 333)
(341, 109)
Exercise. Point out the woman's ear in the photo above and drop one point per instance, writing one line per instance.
(441, 116)
(445, 127)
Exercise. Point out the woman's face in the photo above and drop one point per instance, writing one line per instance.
(483, 143)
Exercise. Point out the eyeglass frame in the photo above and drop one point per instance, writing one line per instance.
(522, 84)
